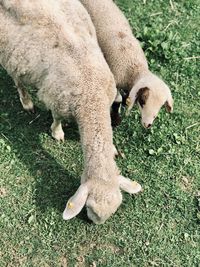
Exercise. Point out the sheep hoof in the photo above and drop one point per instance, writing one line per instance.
(136, 187)
(32, 110)
(115, 151)
(28, 106)
(58, 135)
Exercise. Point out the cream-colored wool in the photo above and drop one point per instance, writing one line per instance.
(52, 45)
(126, 59)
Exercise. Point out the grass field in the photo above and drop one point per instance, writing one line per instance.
(160, 226)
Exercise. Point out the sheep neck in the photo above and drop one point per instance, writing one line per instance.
(137, 76)
(96, 138)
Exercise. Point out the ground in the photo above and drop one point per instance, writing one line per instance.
(158, 227)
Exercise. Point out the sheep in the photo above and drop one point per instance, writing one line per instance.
(127, 61)
(58, 54)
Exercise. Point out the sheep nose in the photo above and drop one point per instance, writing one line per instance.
(149, 125)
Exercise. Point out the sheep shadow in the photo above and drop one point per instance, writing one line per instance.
(53, 183)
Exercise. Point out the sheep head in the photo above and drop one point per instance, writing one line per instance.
(150, 93)
(101, 199)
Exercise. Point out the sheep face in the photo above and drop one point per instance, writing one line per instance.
(101, 199)
(102, 203)
(150, 93)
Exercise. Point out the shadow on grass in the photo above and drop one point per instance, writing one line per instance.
(53, 184)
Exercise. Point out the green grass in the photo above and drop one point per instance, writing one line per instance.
(160, 226)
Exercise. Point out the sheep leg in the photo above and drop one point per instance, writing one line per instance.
(56, 128)
(115, 151)
(25, 99)
(115, 117)
(118, 97)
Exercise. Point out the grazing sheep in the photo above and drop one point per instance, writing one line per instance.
(127, 61)
(58, 54)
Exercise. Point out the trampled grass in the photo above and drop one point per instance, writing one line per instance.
(160, 226)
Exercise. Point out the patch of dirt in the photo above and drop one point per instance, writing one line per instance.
(63, 261)
(80, 261)
(186, 183)
(88, 248)
(93, 264)
(3, 192)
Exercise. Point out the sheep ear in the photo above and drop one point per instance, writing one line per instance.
(76, 202)
(142, 95)
(131, 187)
(137, 94)
(130, 100)
(169, 104)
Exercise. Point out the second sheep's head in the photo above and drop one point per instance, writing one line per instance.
(150, 93)
(101, 199)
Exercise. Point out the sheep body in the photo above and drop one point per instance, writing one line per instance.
(121, 49)
(126, 58)
(60, 57)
